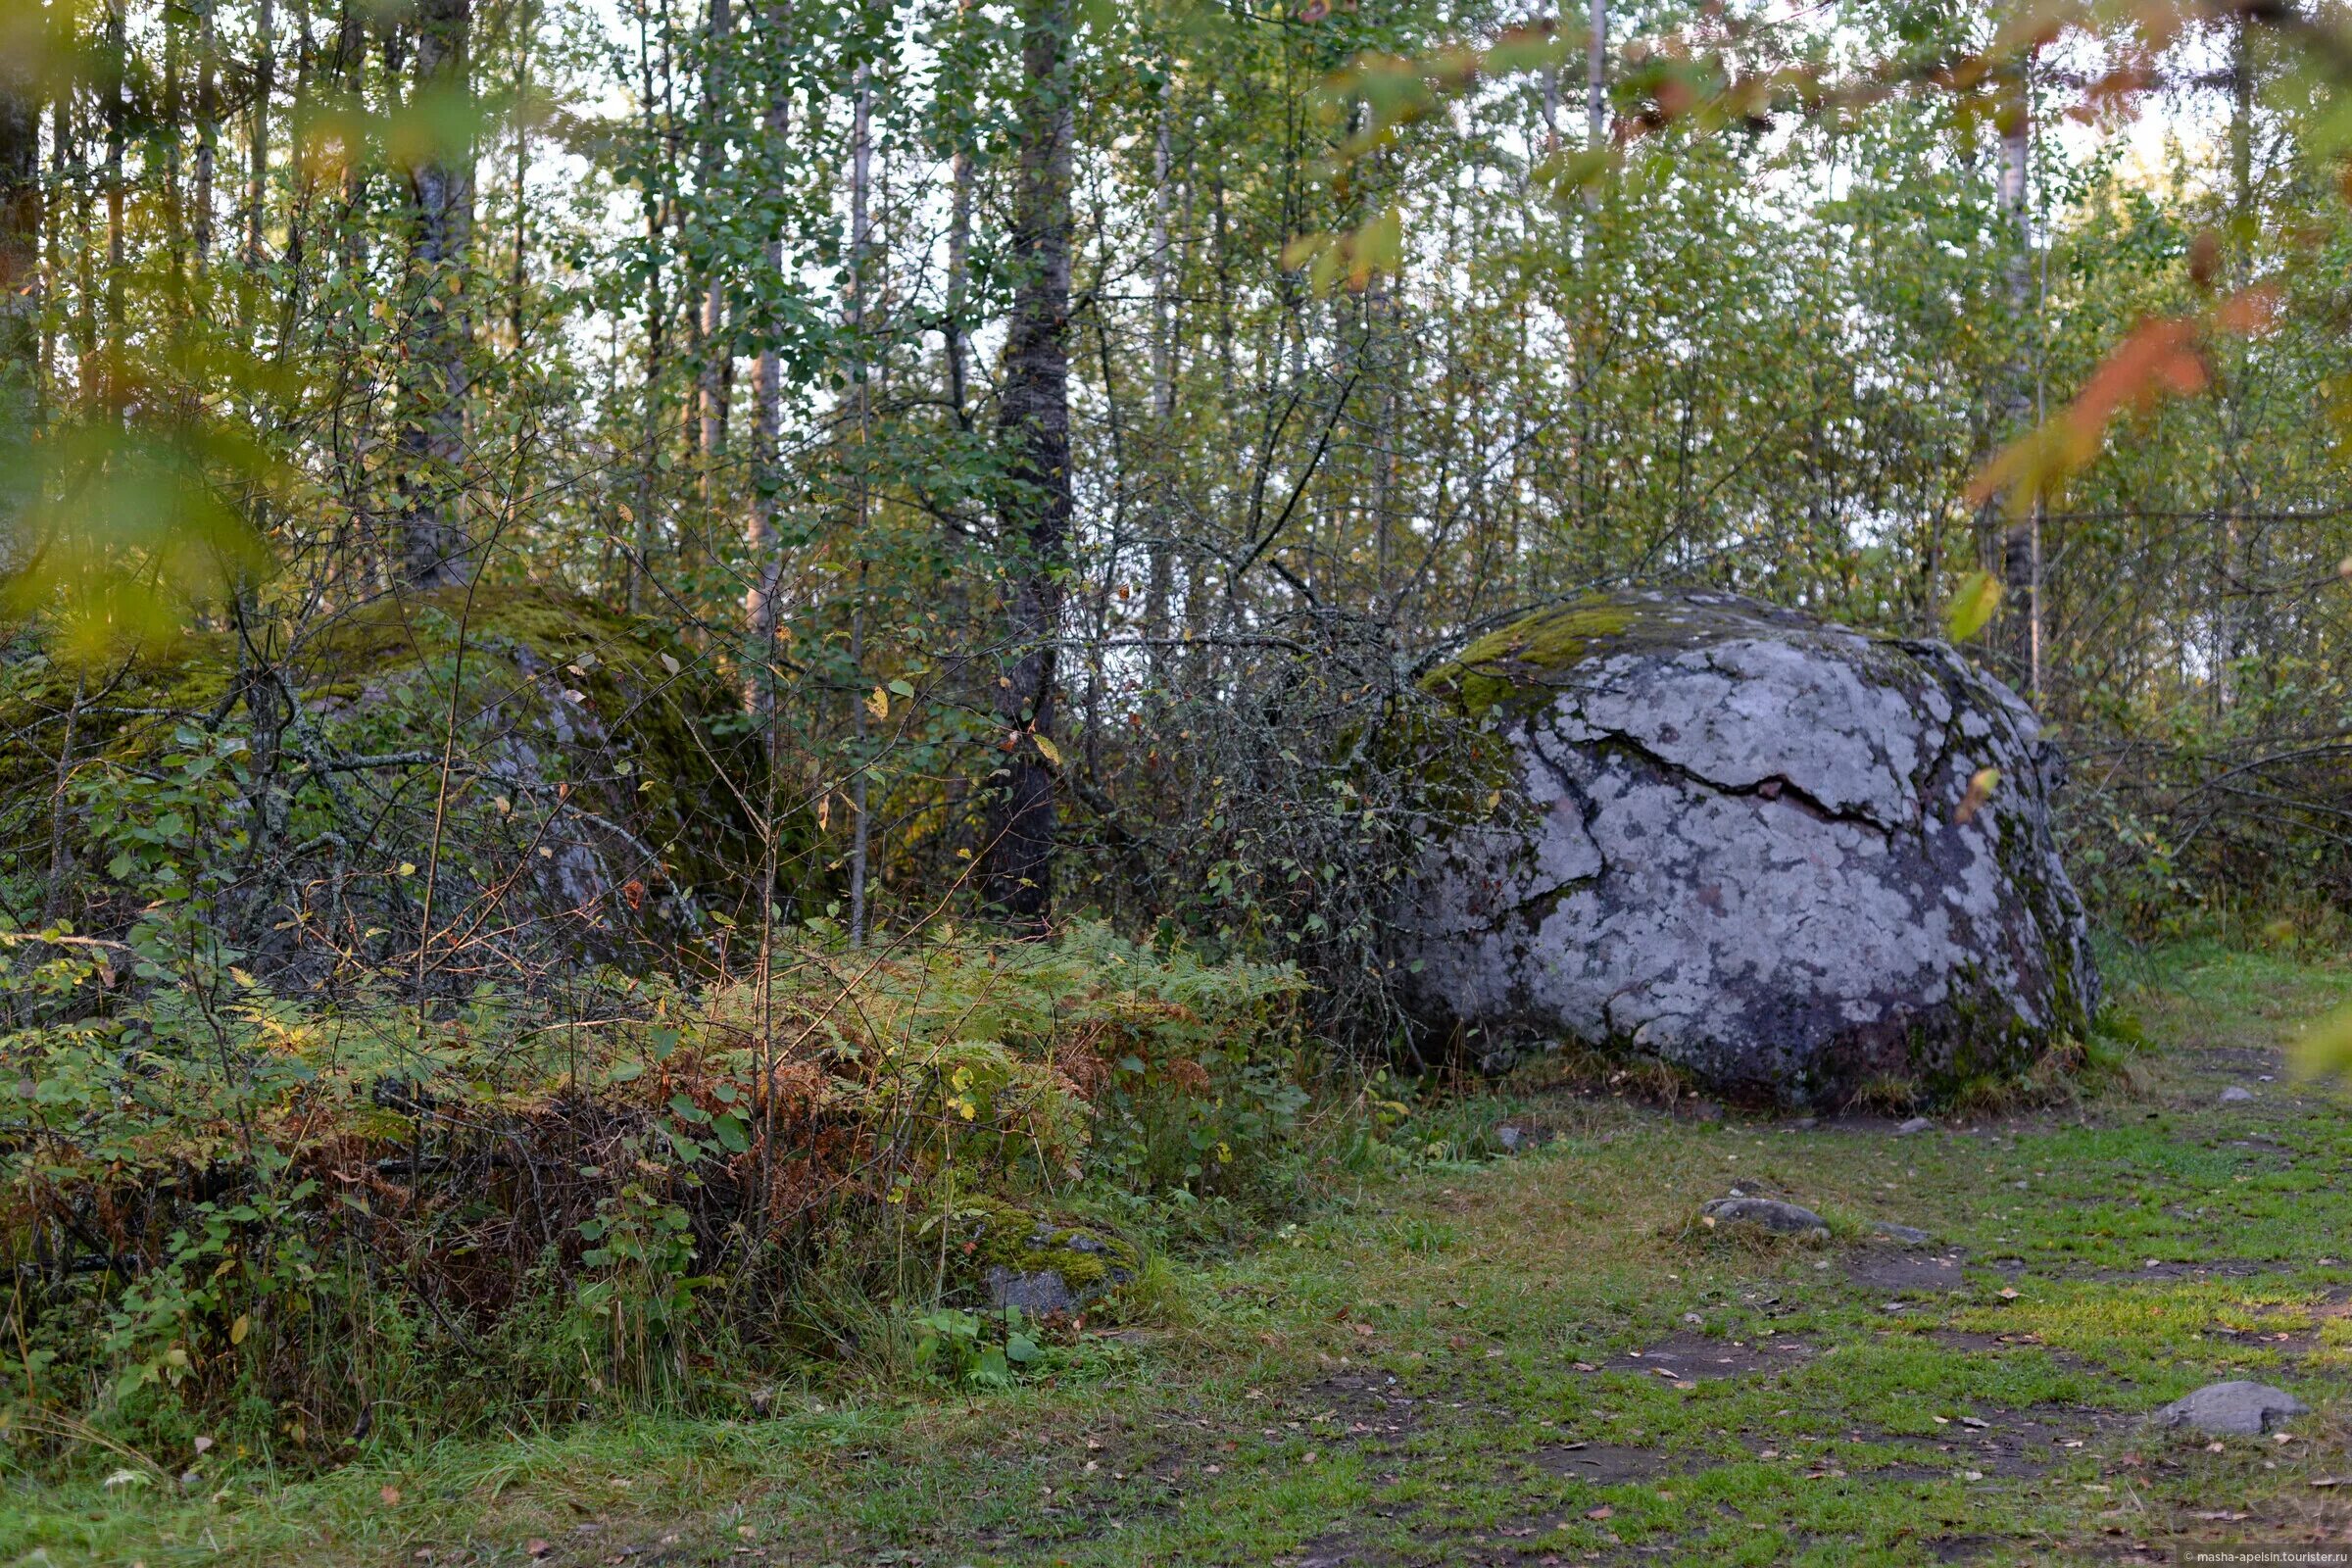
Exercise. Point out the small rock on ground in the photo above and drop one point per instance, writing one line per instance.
(1519, 1137)
(2236, 1093)
(1766, 1213)
(2238, 1409)
(1900, 1235)
(1917, 1124)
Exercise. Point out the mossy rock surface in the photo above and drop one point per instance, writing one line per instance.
(595, 810)
(1744, 845)
(1036, 1262)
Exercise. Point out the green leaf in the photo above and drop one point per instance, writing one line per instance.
(1973, 606)
(729, 1130)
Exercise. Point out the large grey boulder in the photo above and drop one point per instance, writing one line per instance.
(1739, 841)
(1764, 1213)
(2235, 1410)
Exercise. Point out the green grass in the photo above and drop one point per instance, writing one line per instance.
(1397, 1379)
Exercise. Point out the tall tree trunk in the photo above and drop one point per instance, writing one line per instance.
(20, 243)
(2222, 569)
(1034, 517)
(861, 237)
(165, 132)
(759, 608)
(264, 83)
(118, 119)
(656, 319)
(1597, 86)
(2021, 543)
(717, 365)
(1160, 582)
(207, 132)
(435, 550)
(518, 271)
(960, 181)
(64, 154)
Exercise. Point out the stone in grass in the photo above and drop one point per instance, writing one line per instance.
(1768, 1214)
(2236, 1409)
(1041, 1265)
(1900, 1235)
(1521, 1136)
(1917, 1124)
(2236, 1093)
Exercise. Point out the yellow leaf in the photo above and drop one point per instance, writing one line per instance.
(408, 868)
(239, 1329)
(2324, 1050)
(1046, 748)
(1303, 249)
(1973, 606)
(878, 703)
(1981, 785)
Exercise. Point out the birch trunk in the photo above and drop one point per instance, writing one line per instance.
(256, 170)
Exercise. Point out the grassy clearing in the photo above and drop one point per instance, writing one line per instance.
(1444, 1369)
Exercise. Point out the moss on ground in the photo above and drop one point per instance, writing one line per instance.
(1438, 1368)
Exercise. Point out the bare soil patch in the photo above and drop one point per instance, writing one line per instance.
(1605, 1464)
(1362, 1406)
(1908, 1273)
(2217, 1269)
(1981, 1343)
(1695, 1357)
(2010, 1444)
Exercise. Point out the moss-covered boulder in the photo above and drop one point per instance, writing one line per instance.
(294, 786)
(1746, 844)
(1036, 1263)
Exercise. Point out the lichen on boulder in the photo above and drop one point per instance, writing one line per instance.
(1742, 842)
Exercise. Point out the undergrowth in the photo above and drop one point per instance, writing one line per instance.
(298, 1229)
